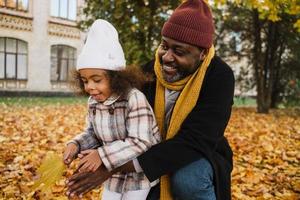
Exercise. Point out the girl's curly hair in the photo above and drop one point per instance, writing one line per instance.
(120, 81)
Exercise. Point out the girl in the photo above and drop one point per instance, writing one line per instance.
(121, 123)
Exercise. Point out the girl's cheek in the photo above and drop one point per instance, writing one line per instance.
(85, 88)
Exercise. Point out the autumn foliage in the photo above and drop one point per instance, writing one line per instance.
(266, 150)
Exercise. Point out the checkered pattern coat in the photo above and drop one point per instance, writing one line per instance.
(121, 128)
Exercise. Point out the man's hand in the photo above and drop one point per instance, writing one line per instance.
(83, 182)
(89, 161)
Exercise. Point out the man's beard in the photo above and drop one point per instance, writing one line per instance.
(171, 79)
(181, 74)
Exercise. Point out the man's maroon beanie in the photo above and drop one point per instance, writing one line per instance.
(191, 23)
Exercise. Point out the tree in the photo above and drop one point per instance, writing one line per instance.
(266, 31)
(263, 31)
(138, 22)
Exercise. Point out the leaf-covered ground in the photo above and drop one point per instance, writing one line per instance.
(266, 150)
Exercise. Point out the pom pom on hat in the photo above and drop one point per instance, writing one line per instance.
(102, 49)
(191, 23)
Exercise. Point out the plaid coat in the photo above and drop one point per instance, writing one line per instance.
(121, 128)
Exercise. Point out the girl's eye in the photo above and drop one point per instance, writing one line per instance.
(97, 81)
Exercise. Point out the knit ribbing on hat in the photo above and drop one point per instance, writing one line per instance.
(191, 23)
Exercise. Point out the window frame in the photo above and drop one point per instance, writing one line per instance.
(16, 59)
(16, 7)
(68, 13)
(59, 60)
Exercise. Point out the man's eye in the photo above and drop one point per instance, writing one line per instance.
(85, 82)
(179, 52)
(164, 47)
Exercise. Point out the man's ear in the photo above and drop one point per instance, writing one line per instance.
(203, 54)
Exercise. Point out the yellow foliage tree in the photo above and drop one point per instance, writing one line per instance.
(273, 27)
(269, 9)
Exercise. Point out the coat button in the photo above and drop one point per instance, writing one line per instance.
(111, 110)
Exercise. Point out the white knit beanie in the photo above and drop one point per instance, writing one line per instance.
(102, 49)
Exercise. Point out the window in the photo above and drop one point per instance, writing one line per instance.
(13, 59)
(63, 60)
(64, 9)
(21, 5)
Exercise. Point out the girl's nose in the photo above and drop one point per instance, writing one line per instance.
(90, 85)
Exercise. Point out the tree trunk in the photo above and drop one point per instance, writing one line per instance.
(265, 62)
(258, 65)
(277, 87)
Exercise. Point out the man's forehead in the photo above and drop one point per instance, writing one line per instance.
(174, 42)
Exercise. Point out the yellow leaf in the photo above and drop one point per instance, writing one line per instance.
(297, 25)
(50, 171)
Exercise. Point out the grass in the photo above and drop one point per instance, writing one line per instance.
(244, 102)
(32, 101)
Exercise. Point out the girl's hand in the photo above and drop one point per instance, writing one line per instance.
(70, 153)
(90, 161)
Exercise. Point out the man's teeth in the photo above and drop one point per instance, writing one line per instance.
(168, 67)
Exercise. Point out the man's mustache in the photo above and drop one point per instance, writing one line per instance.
(169, 64)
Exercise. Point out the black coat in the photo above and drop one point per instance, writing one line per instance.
(201, 133)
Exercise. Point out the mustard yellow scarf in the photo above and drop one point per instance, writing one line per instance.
(190, 89)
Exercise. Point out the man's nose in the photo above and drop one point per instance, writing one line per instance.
(168, 56)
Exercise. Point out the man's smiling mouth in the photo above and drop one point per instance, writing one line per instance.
(169, 70)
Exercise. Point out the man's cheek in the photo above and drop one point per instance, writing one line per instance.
(160, 53)
(187, 70)
(160, 60)
(183, 71)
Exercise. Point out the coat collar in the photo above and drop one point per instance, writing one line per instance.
(112, 99)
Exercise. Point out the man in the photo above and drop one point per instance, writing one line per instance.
(192, 95)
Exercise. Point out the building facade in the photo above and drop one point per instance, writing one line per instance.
(39, 44)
